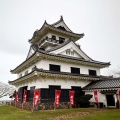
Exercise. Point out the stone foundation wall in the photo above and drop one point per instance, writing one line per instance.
(40, 106)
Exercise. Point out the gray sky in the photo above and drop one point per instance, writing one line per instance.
(99, 20)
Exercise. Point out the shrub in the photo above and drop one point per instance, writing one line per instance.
(83, 101)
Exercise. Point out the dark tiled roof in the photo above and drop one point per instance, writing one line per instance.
(62, 56)
(103, 84)
(61, 73)
(61, 19)
(66, 73)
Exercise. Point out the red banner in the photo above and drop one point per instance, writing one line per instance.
(72, 93)
(96, 96)
(36, 96)
(25, 96)
(57, 97)
(119, 95)
(17, 97)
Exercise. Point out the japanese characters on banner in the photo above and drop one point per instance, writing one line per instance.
(119, 95)
(36, 97)
(25, 96)
(96, 96)
(72, 97)
(57, 97)
(17, 97)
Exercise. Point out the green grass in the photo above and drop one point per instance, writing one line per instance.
(12, 113)
(112, 114)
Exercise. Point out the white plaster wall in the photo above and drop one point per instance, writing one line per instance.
(66, 67)
(45, 82)
(29, 69)
(101, 97)
(64, 83)
(31, 83)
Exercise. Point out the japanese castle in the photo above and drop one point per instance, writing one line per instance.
(56, 61)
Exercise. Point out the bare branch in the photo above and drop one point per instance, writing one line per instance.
(6, 89)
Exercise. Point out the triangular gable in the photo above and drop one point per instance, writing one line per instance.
(71, 49)
(31, 52)
(61, 25)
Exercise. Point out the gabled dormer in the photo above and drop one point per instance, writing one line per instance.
(70, 49)
(61, 25)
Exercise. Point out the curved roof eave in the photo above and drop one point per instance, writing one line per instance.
(59, 21)
(104, 64)
(48, 26)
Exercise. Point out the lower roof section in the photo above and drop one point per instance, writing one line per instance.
(46, 73)
(105, 84)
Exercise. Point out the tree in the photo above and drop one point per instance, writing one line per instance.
(114, 72)
(6, 89)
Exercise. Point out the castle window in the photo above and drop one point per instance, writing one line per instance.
(61, 40)
(54, 67)
(92, 72)
(53, 37)
(75, 70)
(72, 53)
(26, 72)
(68, 52)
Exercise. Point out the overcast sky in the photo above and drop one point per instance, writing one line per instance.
(99, 20)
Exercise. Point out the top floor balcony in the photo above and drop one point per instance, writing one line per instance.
(51, 42)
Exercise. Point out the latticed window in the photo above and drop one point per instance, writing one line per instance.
(53, 37)
(68, 52)
(61, 40)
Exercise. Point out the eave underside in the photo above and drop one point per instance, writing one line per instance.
(47, 28)
(38, 73)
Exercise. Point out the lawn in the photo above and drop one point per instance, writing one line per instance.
(12, 113)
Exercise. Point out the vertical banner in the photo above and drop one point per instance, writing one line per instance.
(25, 96)
(72, 93)
(96, 96)
(119, 95)
(57, 97)
(36, 97)
(17, 97)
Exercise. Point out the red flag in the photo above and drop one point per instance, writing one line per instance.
(72, 93)
(96, 96)
(17, 97)
(36, 96)
(57, 97)
(119, 95)
(25, 96)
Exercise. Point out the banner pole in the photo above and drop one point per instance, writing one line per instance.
(22, 105)
(55, 100)
(33, 104)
